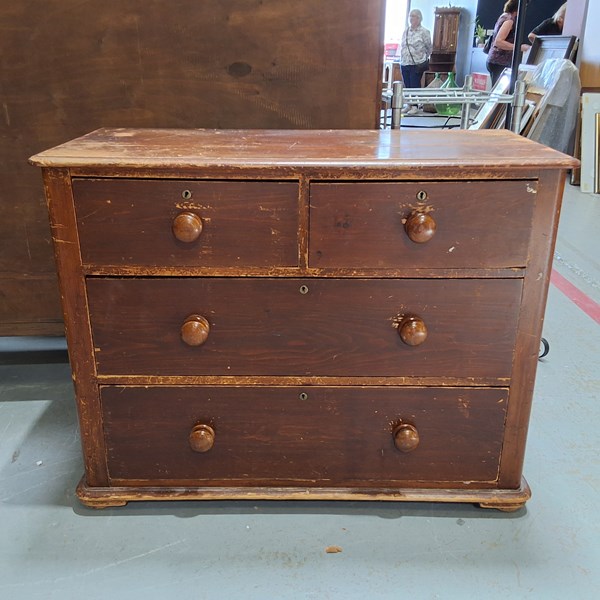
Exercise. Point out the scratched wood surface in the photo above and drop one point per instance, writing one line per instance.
(70, 66)
(243, 223)
(333, 436)
(332, 327)
(364, 225)
(285, 151)
(304, 377)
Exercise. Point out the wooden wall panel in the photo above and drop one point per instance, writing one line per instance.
(70, 66)
(589, 50)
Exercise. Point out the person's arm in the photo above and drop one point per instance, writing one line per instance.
(540, 29)
(500, 41)
(427, 41)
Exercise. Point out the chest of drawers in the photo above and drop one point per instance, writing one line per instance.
(303, 314)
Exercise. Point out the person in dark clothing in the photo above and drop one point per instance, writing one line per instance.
(551, 26)
(503, 43)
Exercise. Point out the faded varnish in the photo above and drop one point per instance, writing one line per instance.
(304, 314)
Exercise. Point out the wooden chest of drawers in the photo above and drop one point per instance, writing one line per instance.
(303, 314)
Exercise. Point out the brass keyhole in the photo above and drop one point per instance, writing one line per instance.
(186, 194)
(304, 289)
(303, 396)
(421, 195)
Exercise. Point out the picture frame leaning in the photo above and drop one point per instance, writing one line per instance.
(552, 46)
(487, 114)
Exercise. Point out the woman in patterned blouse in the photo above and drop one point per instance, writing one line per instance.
(414, 52)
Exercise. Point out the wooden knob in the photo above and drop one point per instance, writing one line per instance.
(202, 438)
(406, 437)
(412, 330)
(187, 227)
(195, 330)
(420, 227)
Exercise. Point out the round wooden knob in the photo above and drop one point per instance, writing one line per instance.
(187, 227)
(420, 227)
(412, 330)
(202, 438)
(406, 437)
(195, 330)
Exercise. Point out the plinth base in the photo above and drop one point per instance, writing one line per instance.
(500, 499)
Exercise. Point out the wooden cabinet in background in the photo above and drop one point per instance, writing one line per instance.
(445, 30)
(444, 40)
(351, 315)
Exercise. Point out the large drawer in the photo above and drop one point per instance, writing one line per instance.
(478, 224)
(304, 327)
(129, 222)
(302, 436)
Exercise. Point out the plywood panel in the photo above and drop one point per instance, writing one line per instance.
(70, 66)
(589, 51)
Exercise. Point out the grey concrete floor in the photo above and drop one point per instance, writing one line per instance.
(52, 547)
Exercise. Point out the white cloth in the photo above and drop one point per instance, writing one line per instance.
(416, 46)
(558, 109)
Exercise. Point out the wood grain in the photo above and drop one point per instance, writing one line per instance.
(59, 195)
(332, 437)
(245, 224)
(187, 149)
(531, 321)
(464, 491)
(322, 360)
(70, 65)
(30, 304)
(363, 224)
(340, 327)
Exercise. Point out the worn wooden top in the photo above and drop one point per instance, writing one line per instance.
(257, 149)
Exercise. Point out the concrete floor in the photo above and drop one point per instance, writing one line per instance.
(52, 547)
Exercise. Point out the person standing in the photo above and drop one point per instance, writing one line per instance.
(415, 49)
(551, 26)
(503, 41)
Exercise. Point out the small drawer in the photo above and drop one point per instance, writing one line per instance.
(314, 436)
(455, 224)
(304, 327)
(148, 223)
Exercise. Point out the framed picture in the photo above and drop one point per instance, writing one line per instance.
(552, 46)
(526, 117)
(590, 143)
(499, 121)
(489, 113)
(597, 156)
(525, 72)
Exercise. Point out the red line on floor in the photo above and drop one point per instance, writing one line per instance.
(575, 295)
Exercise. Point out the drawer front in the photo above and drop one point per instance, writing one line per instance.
(276, 436)
(481, 224)
(187, 223)
(304, 327)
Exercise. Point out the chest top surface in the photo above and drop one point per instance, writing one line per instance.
(266, 149)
